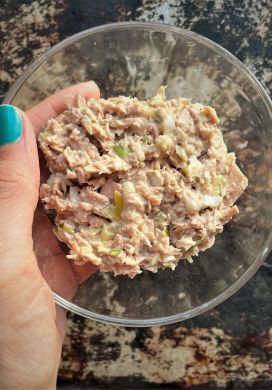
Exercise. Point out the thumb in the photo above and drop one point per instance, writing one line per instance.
(19, 186)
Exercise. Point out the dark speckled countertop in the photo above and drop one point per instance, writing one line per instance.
(229, 346)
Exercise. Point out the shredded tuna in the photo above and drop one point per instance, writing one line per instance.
(138, 185)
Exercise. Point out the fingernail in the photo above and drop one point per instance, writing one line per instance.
(92, 82)
(10, 125)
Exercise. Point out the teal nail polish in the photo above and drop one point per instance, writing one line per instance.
(10, 125)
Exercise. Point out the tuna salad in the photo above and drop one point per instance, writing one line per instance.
(138, 185)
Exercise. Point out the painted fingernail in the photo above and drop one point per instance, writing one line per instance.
(10, 125)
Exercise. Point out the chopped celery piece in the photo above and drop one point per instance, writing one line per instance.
(106, 235)
(166, 231)
(66, 228)
(218, 184)
(115, 252)
(87, 124)
(231, 158)
(119, 204)
(181, 153)
(172, 266)
(158, 115)
(45, 134)
(160, 220)
(121, 151)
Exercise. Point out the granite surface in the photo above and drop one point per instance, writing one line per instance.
(229, 346)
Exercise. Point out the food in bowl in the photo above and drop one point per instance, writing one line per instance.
(138, 185)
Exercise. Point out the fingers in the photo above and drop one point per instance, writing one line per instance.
(55, 104)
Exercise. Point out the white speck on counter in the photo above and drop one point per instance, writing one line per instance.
(181, 295)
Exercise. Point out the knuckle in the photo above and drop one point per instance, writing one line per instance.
(14, 182)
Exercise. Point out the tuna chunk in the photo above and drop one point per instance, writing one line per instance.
(109, 187)
(138, 185)
(235, 186)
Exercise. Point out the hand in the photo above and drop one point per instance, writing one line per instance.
(32, 327)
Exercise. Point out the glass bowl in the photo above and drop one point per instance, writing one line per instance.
(135, 59)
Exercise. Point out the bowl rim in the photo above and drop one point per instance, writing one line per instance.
(162, 27)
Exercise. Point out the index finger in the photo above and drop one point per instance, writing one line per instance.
(57, 103)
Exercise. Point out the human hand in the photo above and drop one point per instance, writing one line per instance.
(32, 327)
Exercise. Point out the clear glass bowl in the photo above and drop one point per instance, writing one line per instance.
(135, 59)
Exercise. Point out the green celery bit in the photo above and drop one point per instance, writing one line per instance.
(181, 153)
(115, 252)
(158, 115)
(106, 235)
(170, 265)
(121, 151)
(166, 230)
(45, 134)
(66, 228)
(219, 184)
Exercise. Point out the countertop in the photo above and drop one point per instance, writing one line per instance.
(229, 346)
